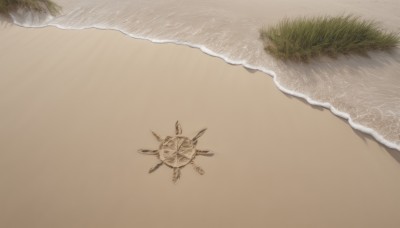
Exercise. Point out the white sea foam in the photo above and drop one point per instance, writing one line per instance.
(182, 34)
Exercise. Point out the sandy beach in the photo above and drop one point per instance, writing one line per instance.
(76, 105)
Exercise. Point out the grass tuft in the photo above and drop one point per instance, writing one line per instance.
(39, 6)
(303, 38)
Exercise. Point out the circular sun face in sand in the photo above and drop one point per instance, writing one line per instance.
(177, 151)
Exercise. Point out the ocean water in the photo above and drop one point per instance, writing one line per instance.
(365, 90)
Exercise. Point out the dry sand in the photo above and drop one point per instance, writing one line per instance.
(76, 105)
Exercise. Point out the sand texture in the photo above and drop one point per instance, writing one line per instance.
(76, 105)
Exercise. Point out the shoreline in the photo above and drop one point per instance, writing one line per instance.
(83, 102)
(341, 114)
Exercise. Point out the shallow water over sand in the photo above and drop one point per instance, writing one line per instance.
(366, 90)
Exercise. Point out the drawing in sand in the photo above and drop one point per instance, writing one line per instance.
(177, 151)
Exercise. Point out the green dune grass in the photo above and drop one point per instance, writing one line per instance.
(39, 6)
(304, 38)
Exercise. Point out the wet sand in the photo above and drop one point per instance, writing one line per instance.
(76, 105)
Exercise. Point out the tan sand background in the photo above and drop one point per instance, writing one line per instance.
(76, 105)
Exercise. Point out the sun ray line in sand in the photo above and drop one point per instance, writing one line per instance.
(177, 151)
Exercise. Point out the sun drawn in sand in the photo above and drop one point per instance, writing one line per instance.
(177, 151)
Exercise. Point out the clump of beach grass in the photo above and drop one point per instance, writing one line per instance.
(304, 38)
(38, 6)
